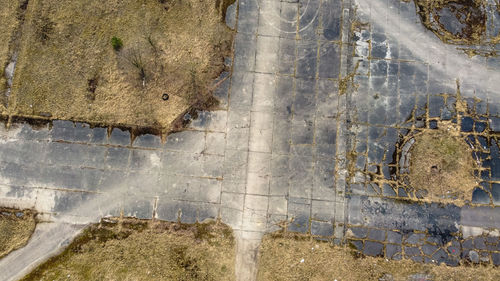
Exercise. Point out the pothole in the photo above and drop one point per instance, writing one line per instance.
(438, 164)
(454, 21)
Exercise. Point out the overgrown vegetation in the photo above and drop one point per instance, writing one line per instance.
(300, 257)
(131, 249)
(110, 62)
(16, 227)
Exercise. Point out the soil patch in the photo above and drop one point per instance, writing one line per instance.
(300, 257)
(16, 228)
(131, 249)
(441, 164)
(112, 62)
(454, 21)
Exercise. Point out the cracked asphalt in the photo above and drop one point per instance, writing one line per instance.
(319, 95)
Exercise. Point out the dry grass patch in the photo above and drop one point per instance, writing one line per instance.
(131, 249)
(16, 228)
(299, 257)
(9, 13)
(441, 163)
(70, 69)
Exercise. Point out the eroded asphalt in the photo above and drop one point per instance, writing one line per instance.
(320, 93)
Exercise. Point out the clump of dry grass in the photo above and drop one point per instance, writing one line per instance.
(299, 257)
(16, 228)
(130, 249)
(69, 69)
(441, 163)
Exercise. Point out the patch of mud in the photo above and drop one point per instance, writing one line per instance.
(132, 249)
(16, 227)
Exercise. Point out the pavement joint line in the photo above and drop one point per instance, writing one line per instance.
(54, 189)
